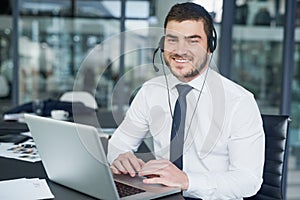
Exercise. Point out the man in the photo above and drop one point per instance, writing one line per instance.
(223, 152)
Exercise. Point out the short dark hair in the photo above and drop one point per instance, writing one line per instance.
(191, 11)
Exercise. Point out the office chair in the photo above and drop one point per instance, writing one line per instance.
(276, 156)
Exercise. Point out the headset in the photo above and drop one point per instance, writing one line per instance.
(212, 45)
(161, 47)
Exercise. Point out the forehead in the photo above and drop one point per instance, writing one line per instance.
(185, 28)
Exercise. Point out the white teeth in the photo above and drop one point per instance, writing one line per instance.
(181, 61)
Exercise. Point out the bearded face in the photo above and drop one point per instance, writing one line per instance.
(185, 49)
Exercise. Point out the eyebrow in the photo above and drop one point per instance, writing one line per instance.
(193, 36)
(186, 37)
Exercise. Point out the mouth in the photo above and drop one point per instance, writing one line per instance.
(181, 60)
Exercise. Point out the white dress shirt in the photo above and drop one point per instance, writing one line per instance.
(223, 152)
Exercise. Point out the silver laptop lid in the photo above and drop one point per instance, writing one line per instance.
(73, 155)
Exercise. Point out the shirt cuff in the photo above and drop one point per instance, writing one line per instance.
(200, 186)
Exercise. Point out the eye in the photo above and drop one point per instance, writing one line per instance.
(193, 41)
(172, 40)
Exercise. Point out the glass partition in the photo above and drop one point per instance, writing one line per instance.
(6, 64)
(57, 36)
(51, 52)
(257, 51)
(257, 64)
(55, 46)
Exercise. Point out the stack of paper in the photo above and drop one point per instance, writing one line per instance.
(26, 189)
(25, 151)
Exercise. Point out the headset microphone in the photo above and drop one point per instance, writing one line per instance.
(154, 66)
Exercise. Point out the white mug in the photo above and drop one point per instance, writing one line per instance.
(59, 114)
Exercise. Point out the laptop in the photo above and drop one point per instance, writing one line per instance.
(72, 155)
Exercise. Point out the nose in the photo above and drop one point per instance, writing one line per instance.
(182, 47)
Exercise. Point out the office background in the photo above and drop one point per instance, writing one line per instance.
(43, 44)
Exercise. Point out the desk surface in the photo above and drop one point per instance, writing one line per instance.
(13, 169)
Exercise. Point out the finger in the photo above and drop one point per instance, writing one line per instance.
(158, 163)
(137, 164)
(128, 167)
(128, 163)
(119, 166)
(114, 170)
(161, 180)
(156, 180)
(141, 162)
(132, 163)
(151, 172)
(153, 167)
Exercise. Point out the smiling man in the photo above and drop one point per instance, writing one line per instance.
(207, 130)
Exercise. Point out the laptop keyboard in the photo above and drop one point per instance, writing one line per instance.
(127, 190)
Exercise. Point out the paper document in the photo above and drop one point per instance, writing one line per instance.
(25, 151)
(26, 189)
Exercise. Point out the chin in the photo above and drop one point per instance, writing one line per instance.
(180, 76)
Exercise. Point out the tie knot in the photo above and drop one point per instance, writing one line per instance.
(183, 90)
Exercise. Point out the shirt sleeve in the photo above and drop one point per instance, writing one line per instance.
(131, 132)
(246, 147)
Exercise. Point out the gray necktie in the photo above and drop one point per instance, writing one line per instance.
(178, 126)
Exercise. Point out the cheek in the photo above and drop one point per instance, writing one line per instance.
(167, 57)
(167, 53)
(201, 51)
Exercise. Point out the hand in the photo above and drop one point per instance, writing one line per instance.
(164, 172)
(126, 163)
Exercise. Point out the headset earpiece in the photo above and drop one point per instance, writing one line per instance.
(212, 41)
(161, 47)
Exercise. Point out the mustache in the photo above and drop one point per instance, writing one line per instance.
(184, 56)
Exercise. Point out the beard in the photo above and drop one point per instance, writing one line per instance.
(197, 70)
(194, 72)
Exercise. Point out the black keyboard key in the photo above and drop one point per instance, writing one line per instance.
(127, 190)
